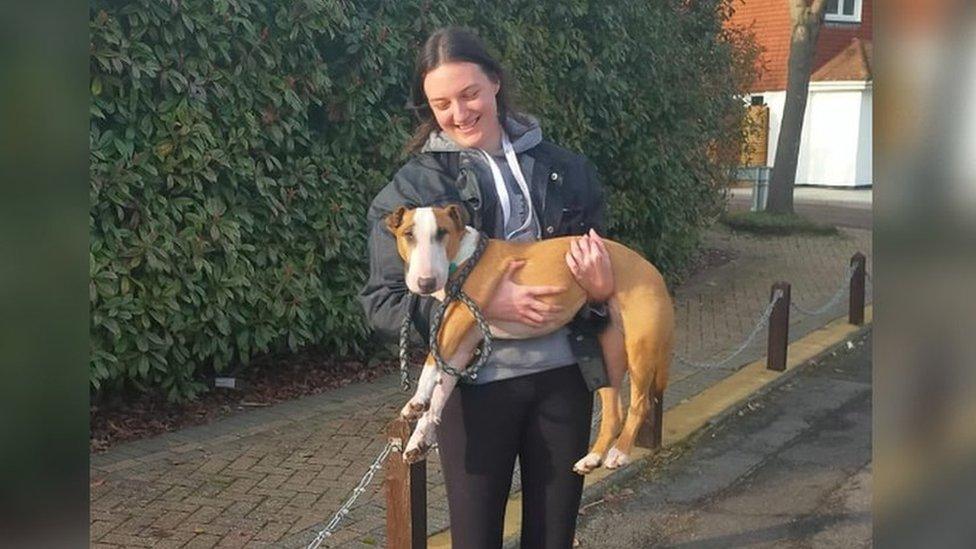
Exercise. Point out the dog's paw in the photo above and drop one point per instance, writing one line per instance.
(616, 459)
(424, 438)
(413, 409)
(415, 453)
(587, 463)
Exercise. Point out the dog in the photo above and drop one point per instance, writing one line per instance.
(434, 241)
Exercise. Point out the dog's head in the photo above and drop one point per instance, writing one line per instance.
(427, 239)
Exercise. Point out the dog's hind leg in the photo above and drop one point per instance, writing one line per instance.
(611, 412)
(648, 353)
(610, 423)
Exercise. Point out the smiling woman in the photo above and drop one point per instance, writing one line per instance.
(532, 400)
(468, 114)
(461, 90)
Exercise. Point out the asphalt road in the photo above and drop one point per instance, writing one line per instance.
(792, 468)
(835, 213)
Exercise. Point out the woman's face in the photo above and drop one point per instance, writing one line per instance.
(462, 98)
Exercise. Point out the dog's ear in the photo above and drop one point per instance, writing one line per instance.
(457, 215)
(394, 220)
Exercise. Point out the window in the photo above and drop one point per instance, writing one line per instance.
(847, 11)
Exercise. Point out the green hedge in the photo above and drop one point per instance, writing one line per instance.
(235, 145)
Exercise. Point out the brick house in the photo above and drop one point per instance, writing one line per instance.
(835, 148)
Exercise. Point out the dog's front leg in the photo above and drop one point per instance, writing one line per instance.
(420, 401)
(445, 381)
(424, 435)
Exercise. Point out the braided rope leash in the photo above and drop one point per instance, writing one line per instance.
(404, 331)
(453, 291)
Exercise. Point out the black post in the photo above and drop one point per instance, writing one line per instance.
(779, 329)
(855, 313)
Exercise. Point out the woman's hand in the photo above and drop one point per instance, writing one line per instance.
(590, 264)
(514, 302)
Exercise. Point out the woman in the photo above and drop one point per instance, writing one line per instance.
(533, 398)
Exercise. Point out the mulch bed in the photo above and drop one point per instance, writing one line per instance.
(707, 258)
(269, 380)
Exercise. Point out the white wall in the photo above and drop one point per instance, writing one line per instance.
(776, 100)
(835, 146)
(865, 172)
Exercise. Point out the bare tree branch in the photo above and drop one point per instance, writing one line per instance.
(796, 9)
(817, 7)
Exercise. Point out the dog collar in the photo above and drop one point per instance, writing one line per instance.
(468, 244)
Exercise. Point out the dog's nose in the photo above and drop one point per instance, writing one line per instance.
(426, 285)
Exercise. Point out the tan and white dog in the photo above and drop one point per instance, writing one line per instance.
(638, 341)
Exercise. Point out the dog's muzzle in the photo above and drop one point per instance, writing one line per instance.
(427, 285)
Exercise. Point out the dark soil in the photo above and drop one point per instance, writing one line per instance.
(269, 379)
(707, 258)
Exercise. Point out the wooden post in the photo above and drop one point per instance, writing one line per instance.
(406, 494)
(658, 419)
(651, 432)
(855, 313)
(779, 329)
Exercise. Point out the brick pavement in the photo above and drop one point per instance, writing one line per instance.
(273, 477)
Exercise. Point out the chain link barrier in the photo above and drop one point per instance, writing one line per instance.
(330, 528)
(763, 319)
(834, 300)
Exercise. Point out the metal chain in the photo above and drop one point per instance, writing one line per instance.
(763, 319)
(845, 285)
(358, 491)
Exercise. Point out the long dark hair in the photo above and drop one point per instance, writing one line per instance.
(446, 45)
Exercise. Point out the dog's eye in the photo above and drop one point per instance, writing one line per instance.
(441, 233)
(408, 235)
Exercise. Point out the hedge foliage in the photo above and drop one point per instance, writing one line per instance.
(235, 145)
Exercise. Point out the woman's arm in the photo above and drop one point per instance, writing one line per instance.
(587, 257)
(385, 297)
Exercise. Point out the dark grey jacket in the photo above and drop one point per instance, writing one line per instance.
(568, 199)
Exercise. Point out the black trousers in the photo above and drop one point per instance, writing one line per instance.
(544, 420)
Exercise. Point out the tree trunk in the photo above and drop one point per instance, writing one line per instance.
(806, 22)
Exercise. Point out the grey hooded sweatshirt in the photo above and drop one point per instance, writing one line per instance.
(513, 358)
(567, 200)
